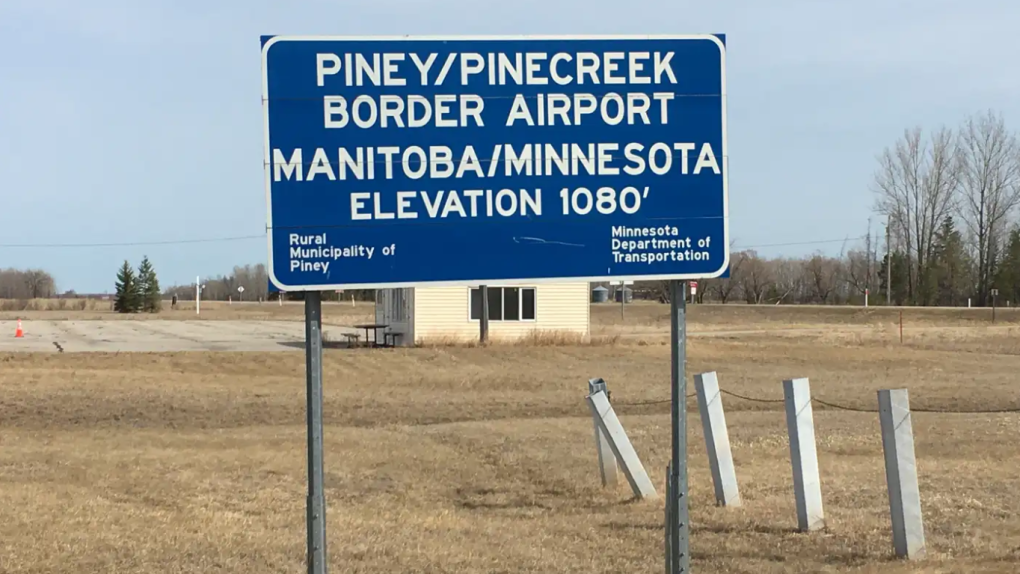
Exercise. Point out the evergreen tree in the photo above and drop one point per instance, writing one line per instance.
(950, 265)
(128, 297)
(900, 278)
(148, 287)
(1007, 279)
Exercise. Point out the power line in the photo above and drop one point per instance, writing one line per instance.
(795, 243)
(131, 243)
(263, 237)
(831, 405)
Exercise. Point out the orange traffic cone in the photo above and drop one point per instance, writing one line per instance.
(19, 333)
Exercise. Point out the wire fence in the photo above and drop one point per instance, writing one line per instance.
(828, 404)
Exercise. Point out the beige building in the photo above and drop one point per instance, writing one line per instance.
(447, 314)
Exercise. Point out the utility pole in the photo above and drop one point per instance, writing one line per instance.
(888, 265)
(867, 274)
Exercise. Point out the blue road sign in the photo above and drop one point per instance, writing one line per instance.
(403, 161)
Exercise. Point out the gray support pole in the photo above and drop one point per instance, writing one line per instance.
(717, 439)
(807, 488)
(483, 321)
(316, 512)
(669, 519)
(901, 473)
(680, 544)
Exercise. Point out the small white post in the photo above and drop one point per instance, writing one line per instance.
(353, 304)
(198, 294)
(807, 488)
(901, 473)
(717, 439)
(610, 426)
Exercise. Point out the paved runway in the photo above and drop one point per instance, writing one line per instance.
(213, 335)
(157, 336)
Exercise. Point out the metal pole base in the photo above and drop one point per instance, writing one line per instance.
(679, 530)
(316, 495)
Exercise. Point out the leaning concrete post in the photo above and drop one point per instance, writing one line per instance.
(608, 470)
(611, 428)
(800, 424)
(901, 473)
(717, 439)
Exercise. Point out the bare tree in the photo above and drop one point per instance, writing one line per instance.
(725, 289)
(39, 284)
(756, 277)
(916, 185)
(990, 191)
(788, 277)
(26, 284)
(823, 277)
(858, 270)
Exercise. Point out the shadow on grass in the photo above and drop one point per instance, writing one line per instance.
(333, 345)
(749, 529)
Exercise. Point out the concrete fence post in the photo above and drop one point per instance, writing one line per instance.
(717, 439)
(901, 473)
(608, 469)
(800, 424)
(622, 448)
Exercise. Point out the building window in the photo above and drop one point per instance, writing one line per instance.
(505, 303)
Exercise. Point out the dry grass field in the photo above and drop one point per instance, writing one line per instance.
(481, 460)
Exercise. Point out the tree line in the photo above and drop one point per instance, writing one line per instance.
(255, 281)
(950, 199)
(844, 280)
(26, 284)
(253, 278)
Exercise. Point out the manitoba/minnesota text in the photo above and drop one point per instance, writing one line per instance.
(505, 160)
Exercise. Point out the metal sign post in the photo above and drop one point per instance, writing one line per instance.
(678, 527)
(316, 505)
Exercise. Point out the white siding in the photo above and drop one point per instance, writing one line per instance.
(442, 313)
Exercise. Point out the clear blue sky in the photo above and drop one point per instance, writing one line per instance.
(127, 121)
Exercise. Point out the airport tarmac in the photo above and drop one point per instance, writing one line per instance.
(157, 336)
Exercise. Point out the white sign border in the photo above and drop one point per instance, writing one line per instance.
(525, 37)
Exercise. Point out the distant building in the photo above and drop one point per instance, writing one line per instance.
(515, 310)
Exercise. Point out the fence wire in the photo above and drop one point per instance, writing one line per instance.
(831, 405)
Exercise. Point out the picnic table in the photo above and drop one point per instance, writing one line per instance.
(374, 327)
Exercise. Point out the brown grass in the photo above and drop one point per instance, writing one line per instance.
(481, 460)
(35, 305)
(534, 338)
